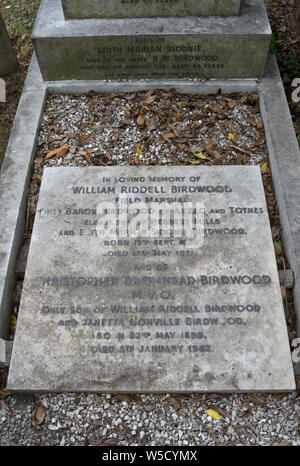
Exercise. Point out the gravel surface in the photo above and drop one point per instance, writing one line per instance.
(161, 127)
(93, 419)
(150, 128)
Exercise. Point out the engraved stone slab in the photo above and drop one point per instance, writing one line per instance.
(156, 309)
(80, 9)
(139, 48)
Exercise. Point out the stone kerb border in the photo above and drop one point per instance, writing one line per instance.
(14, 180)
(16, 169)
(284, 157)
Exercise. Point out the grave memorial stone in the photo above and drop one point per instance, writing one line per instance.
(84, 9)
(144, 48)
(157, 310)
(8, 60)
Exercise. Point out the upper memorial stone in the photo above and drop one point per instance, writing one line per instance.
(144, 279)
(140, 48)
(84, 9)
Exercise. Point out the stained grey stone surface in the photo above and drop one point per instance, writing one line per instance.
(80, 9)
(164, 48)
(8, 59)
(151, 314)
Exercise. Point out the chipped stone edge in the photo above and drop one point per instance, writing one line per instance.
(16, 169)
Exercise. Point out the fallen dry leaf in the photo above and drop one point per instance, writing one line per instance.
(251, 121)
(127, 397)
(213, 414)
(241, 149)
(108, 442)
(148, 408)
(2, 403)
(38, 416)
(214, 153)
(278, 396)
(60, 152)
(201, 156)
(258, 400)
(173, 129)
(283, 291)
(264, 167)
(85, 154)
(221, 411)
(231, 104)
(150, 99)
(253, 98)
(168, 135)
(140, 120)
(276, 230)
(211, 143)
(175, 402)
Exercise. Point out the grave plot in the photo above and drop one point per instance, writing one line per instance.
(151, 314)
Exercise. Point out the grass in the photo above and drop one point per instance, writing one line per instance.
(19, 16)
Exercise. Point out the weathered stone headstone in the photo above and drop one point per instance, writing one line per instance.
(141, 48)
(8, 59)
(121, 297)
(81, 9)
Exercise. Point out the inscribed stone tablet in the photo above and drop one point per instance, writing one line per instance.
(80, 9)
(181, 300)
(139, 48)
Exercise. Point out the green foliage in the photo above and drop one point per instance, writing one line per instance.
(288, 63)
(273, 45)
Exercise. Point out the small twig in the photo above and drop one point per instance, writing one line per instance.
(240, 149)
